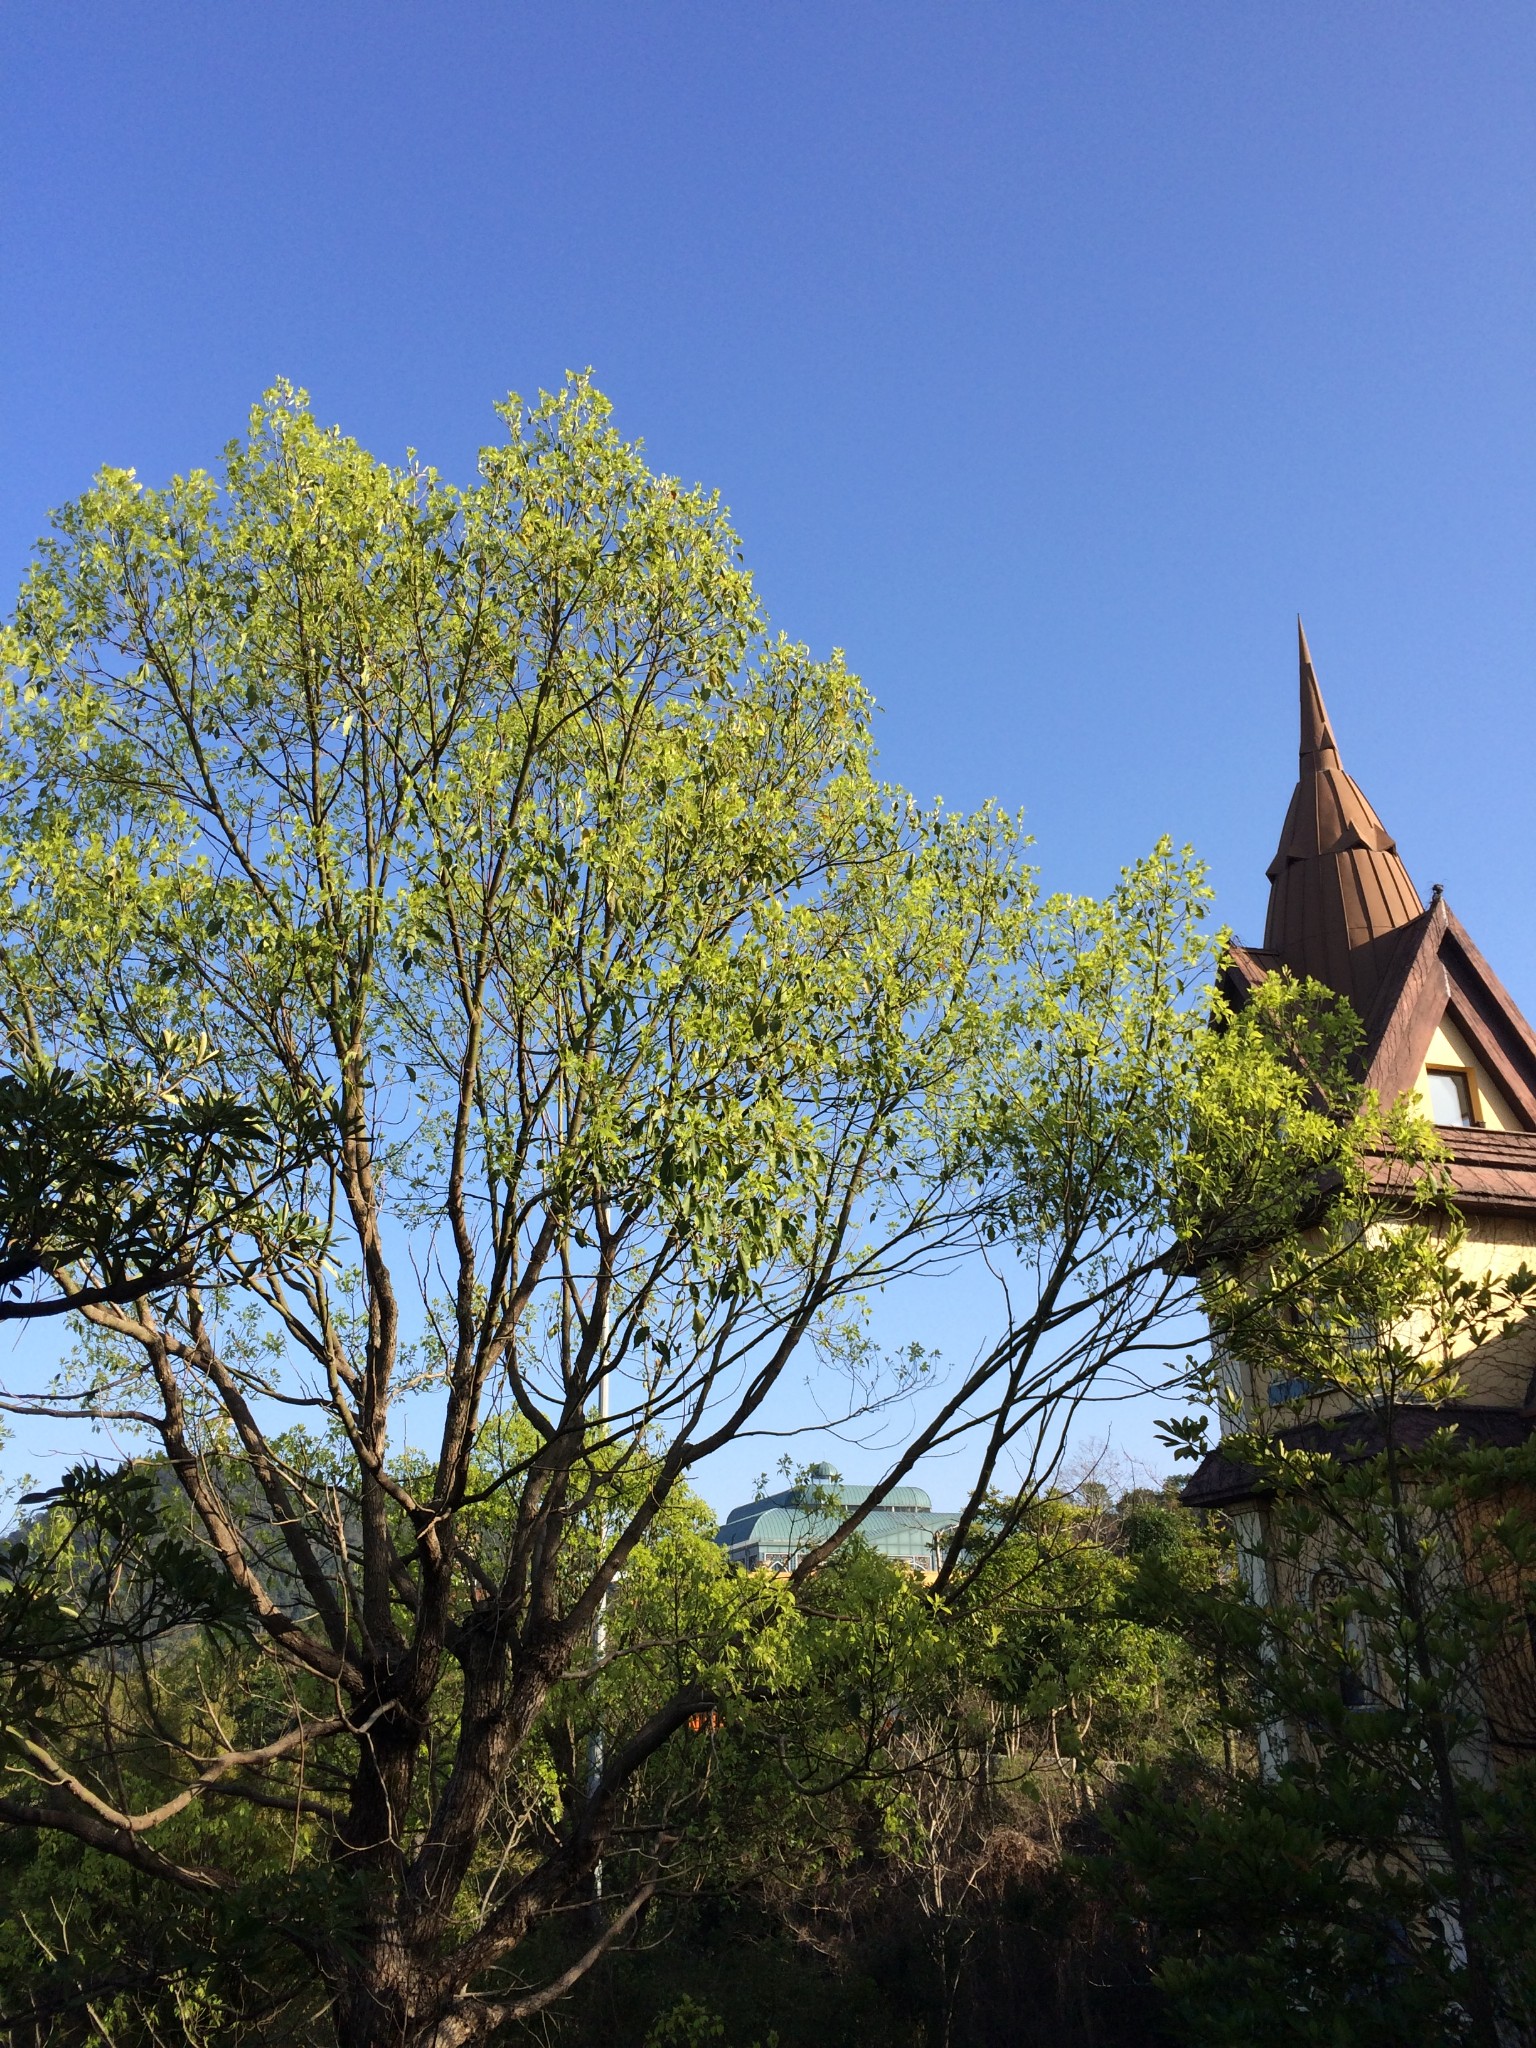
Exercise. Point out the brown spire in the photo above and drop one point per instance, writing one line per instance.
(1317, 738)
(1339, 894)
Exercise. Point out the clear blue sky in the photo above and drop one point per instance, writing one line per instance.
(1051, 358)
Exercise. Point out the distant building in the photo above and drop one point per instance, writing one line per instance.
(775, 1531)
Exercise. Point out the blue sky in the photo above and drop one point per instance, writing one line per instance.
(1050, 358)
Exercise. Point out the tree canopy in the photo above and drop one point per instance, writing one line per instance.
(579, 1034)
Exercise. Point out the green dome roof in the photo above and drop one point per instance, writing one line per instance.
(778, 1528)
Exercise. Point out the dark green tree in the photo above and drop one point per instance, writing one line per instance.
(1358, 1888)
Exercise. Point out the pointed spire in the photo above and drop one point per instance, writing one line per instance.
(1316, 733)
(1339, 893)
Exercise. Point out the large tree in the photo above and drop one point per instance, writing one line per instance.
(610, 1034)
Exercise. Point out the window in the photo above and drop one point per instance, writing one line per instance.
(1286, 1391)
(1452, 1097)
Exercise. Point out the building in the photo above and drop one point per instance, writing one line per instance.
(1441, 1029)
(1439, 1025)
(773, 1532)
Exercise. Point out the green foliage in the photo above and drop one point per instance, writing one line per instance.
(688, 2024)
(558, 1031)
(1278, 1125)
(1359, 1889)
(89, 1951)
(285, 755)
(1283, 1912)
(475, 1019)
(876, 1737)
(124, 1175)
(106, 1568)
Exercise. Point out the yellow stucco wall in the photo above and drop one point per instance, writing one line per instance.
(1493, 1245)
(1500, 1372)
(1495, 1374)
(1449, 1049)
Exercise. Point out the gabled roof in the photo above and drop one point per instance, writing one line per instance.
(1437, 972)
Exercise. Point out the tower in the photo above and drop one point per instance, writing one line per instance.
(1439, 1024)
(1440, 1028)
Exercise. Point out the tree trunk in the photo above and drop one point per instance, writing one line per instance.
(379, 2001)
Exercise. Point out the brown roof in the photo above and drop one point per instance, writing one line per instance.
(1405, 968)
(1437, 972)
(1339, 893)
(1223, 1481)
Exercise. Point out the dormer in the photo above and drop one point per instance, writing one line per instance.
(1455, 1089)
